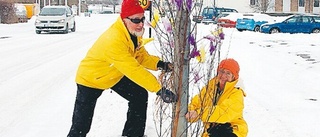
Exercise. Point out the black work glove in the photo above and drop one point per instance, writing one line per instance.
(166, 66)
(221, 130)
(167, 95)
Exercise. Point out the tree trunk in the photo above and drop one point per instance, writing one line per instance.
(181, 72)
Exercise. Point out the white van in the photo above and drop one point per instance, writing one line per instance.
(55, 18)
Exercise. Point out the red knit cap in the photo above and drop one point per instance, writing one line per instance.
(130, 7)
(231, 65)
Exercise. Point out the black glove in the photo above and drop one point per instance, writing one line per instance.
(221, 130)
(167, 95)
(166, 66)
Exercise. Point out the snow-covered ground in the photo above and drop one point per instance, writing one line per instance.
(281, 74)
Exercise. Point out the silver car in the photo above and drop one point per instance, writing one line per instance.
(55, 19)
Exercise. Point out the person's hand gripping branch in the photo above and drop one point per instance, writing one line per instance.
(165, 66)
(167, 96)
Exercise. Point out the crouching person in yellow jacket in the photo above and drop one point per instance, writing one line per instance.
(118, 61)
(219, 105)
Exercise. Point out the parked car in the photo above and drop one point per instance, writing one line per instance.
(223, 14)
(209, 14)
(229, 21)
(294, 24)
(106, 12)
(87, 13)
(253, 21)
(55, 19)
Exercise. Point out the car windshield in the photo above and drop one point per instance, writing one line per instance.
(208, 11)
(219, 10)
(223, 15)
(52, 12)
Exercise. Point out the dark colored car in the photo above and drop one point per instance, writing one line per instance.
(106, 12)
(210, 13)
(294, 24)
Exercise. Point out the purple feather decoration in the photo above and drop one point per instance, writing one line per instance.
(221, 35)
(212, 48)
(167, 25)
(179, 4)
(194, 53)
(209, 37)
(196, 77)
(192, 41)
(189, 5)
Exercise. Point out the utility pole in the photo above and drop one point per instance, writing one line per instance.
(79, 8)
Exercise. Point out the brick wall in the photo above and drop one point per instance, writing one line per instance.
(278, 5)
(294, 6)
(308, 6)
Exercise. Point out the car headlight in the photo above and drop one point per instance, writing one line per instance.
(37, 21)
(62, 21)
(265, 27)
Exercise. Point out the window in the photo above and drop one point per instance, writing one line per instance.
(316, 3)
(293, 20)
(52, 11)
(301, 3)
(305, 19)
(210, 11)
(316, 19)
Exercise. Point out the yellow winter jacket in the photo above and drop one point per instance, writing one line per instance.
(112, 56)
(229, 107)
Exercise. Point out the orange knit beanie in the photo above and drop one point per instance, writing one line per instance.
(231, 65)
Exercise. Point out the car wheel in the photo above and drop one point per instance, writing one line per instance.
(66, 30)
(316, 31)
(38, 31)
(74, 27)
(274, 30)
(240, 30)
(256, 29)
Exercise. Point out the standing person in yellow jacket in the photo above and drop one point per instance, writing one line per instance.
(118, 61)
(219, 105)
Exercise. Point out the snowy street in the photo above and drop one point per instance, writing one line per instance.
(281, 74)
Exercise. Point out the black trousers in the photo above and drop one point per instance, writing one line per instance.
(86, 101)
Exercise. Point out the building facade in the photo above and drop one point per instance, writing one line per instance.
(49, 2)
(297, 6)
(285, 6)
